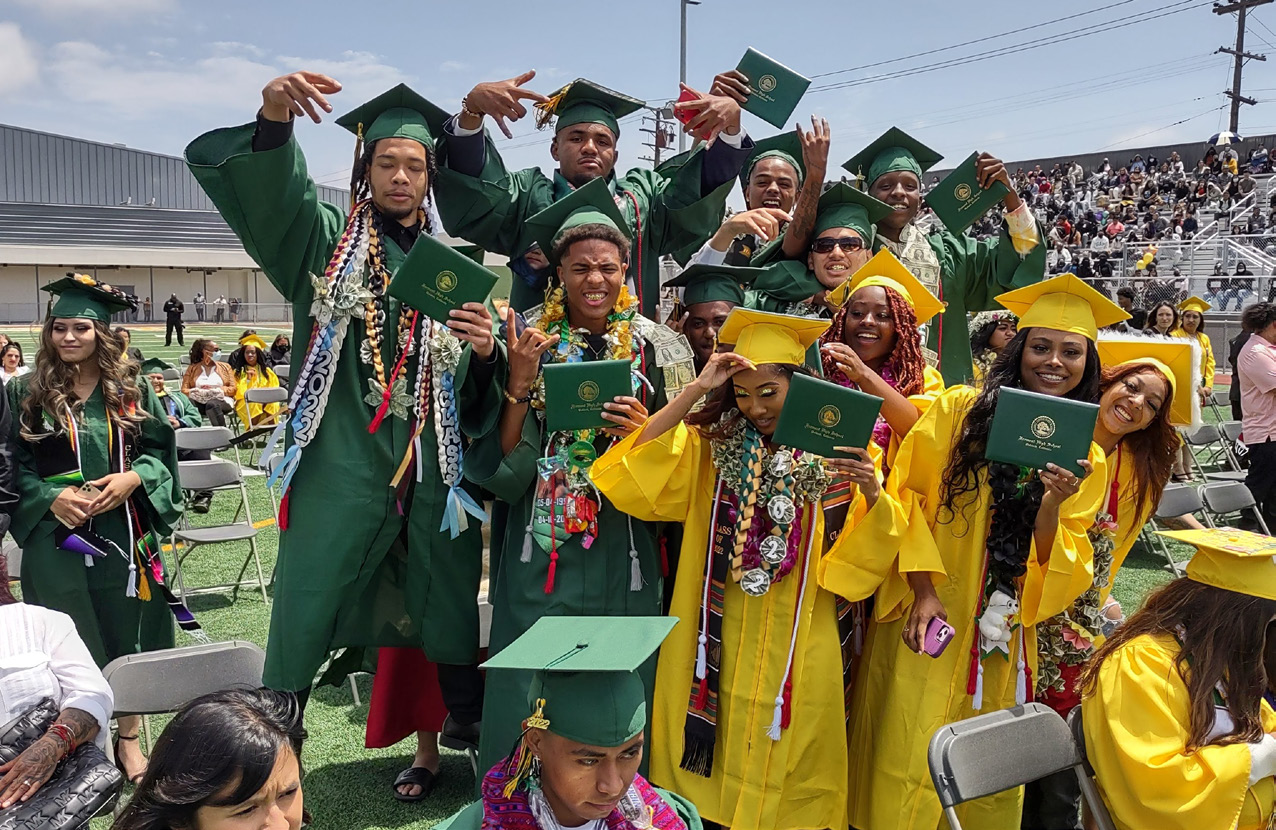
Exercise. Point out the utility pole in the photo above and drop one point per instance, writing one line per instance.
(661, 132)
(1238, 55)
(682, 60)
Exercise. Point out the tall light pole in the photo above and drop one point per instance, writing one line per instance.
(682, 63)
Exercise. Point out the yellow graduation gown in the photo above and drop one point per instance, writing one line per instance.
(900, 698)
(1136, 729)
(1207, 355)
(795, 783)
(257, 377)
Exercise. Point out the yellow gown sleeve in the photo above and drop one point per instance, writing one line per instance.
(1207, 361)
(1050, 588)
(933, 384)
(1136, 736)
(654, 481)
(893, 538)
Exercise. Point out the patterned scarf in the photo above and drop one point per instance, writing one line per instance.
(641, 808)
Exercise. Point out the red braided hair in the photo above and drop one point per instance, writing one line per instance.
(906, 361)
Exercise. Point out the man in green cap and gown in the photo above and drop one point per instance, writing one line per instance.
(709, 292)
(182, 414)
(582, 732)
(558, 547)
(371, 472)
(965, 273)
(666, 211)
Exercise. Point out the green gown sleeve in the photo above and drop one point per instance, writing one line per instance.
(979, 270)
(680, 216)
(507, 477)
(480, 393)
(35, 495)
(684, 808)
(489, 211)
(270, 203)
(156, 463)
(469, 818)
(187, 412)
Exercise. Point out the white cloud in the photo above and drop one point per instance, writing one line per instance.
(453, 66)
(18, 66)
(57, 8)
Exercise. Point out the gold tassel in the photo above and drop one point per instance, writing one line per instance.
(407, 456)
(546, 110)
(143, 584)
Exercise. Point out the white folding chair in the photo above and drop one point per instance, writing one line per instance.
(284, 372)
(996, 752)
(171, 374)
(216, 474)
(1097, 810)
(254, 430)
(154, 682)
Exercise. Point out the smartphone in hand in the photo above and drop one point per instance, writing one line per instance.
(938, 635)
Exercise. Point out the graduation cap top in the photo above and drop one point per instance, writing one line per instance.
(586, 687)
(886, 271)
(715, 283)
(79, 296)
(1236, 560)
(1196, 304)
(585, 102)
(763, 337)
(474, 252)
(254, 341)
(397, 113)
(155, 366)
(891, 151)
(1176, 358)
(843, 206)
(785, 146)
(590, 204)
(1063, 303)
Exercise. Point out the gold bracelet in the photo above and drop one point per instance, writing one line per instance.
(465, 108)
(516, 401)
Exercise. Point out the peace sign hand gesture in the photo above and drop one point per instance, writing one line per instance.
(299, 93)
(524, 350)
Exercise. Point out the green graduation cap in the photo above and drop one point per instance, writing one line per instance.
(787, 281)
(591, 204)
(155, 365)
(586, 687)
(585, 102)
(715, 283)
(785, 146)
(396, 113)
(843, 206)
(893, 150)
(474, 252)
(81, 296)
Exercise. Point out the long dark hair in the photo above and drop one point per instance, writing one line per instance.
(225, 742)
(1222, 635)
(720, 413)
(967, 461)
(1153, 448)
(1151, 322)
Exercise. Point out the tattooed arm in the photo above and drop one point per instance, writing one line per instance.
(815, 156)
(26, 774)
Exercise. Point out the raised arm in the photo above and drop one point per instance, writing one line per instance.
(815, 158)
(720, 369)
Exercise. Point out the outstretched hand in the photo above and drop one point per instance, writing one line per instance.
(720, 368)
(299, 93)
(711, 114)
(503, 99)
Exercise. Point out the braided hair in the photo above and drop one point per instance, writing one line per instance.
(906, 362)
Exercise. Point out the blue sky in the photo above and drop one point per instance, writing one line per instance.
(155, 73)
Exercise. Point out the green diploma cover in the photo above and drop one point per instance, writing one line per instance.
(435, 279)
(819, 415)
(776, 88)
(575, 392)
(959, 200)
(1031, 430)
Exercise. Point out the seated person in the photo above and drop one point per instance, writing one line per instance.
(209, 383)
(182, 413)
(227, 760)
(43, 658)
(1176, 726)
(126, 344)
(252, 371)
(576, 764)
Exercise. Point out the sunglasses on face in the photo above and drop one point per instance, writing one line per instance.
(825, 245)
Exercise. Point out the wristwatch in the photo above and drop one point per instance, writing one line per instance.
(525, 399)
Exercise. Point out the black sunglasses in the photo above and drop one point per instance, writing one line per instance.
(825, 245)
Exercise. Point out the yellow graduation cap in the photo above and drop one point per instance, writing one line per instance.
(1236, 560)
(764, 337)
(1196, 304)
(254, 341)
(1177, 358)
(885, 270)
(1063, 303)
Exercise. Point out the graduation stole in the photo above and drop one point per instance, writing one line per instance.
(641, 808)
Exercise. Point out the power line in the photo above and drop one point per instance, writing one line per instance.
(1166, 127)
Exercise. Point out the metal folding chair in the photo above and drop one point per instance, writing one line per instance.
(996, 752)
(1177, 500)
(216, 474)
(1207, 437)
(284, 372)
(252, 430)
(1090, 797)
(1217, 408)
(13, 559)
(1226, 497)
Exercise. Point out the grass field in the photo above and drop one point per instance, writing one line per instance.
(347, 786)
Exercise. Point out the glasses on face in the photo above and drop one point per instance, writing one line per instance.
(826, 244)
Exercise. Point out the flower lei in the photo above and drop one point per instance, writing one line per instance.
(1068, 639)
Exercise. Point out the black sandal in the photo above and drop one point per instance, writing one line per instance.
(419, 776)
(136, 779)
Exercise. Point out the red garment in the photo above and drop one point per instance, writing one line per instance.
(406, 698)
(1064, 701)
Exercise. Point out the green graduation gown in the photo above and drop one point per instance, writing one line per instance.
(111, 623)
(182, 409)
(593, 582)
(352, 570)
(471, 817)
(665, 209)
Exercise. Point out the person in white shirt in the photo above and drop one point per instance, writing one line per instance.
(11, 363)
(42, 657)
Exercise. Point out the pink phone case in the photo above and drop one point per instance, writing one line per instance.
(938, 635)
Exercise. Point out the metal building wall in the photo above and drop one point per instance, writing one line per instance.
(42, 168)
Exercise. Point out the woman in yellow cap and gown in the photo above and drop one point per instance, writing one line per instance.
(963, 272)
(1192, 325)
(1148, 389)
(1175, 723)
(966, 534)
(749, 685)
(253, 372)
